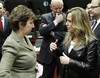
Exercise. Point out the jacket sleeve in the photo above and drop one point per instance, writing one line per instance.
(8, 58)
(46, 26)
(90, 59)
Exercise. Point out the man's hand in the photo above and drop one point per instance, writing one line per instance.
(59, 18)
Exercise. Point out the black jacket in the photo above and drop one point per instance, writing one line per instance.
(82, 60)
(96, 73)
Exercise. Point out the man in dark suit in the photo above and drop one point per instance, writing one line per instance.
(5, 27)
(95, 12)
(88, 10)
(52, 28)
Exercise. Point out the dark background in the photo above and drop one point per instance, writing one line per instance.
(38, 7)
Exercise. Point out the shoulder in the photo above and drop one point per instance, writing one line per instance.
(93, 42)
(64, 14)
(46, 15)
(5, 17)
(10, 44)
(10, 41)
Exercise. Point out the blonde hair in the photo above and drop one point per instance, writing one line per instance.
(99, 2)
(81, 24)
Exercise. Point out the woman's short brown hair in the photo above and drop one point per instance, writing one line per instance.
(20, 14)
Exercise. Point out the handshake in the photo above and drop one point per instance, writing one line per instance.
(58, 18)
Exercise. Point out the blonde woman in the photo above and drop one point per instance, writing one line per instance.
(79, 48)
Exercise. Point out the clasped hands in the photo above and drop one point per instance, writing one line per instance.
(64, 59)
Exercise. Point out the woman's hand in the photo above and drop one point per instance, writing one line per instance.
(36, 66)
(64, 59)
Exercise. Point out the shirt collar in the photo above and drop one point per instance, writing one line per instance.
(2, 18)
(98, 21)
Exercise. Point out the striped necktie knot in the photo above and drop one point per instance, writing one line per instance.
(94, 24)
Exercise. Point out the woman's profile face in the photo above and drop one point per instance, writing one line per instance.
(29, 26)
(69, 23)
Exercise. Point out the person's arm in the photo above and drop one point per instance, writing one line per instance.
(8, 58)
(48, 24)
(60, 35)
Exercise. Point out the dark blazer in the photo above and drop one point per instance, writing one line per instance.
(97, 70)
(5, 33)
(96, 31)
(82, 60)
(46, 27)
(19, 58)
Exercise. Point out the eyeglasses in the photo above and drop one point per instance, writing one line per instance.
(95, 6)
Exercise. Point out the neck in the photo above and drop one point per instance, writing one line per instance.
(75, 39)
(20, 33)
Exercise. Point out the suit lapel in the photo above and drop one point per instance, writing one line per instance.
(79, 47)
(21, 41)
(66, 49)
(51, 17)
(73, 51)
(98, 27)
(76, 49)
(97, 31)
(5, 23)
(26, 45)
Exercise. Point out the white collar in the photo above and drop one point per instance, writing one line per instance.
(98, 21)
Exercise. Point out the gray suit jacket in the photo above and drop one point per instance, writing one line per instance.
(19, 58)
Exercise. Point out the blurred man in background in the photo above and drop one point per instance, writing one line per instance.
(4, 27)
(52, 28)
